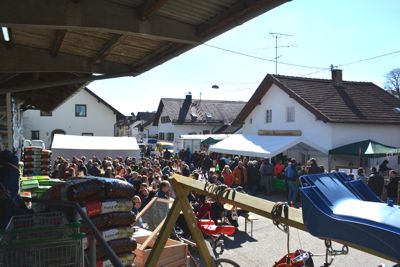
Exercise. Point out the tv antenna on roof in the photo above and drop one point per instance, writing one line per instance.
(277, 35)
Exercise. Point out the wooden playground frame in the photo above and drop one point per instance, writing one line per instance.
(182, 185)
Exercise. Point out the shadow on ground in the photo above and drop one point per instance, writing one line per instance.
(237, 240)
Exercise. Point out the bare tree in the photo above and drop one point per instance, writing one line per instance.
(393, 81)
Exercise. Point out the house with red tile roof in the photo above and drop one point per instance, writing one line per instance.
(327, 112)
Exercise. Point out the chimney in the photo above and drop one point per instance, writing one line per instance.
(337, 77)
(188, 97)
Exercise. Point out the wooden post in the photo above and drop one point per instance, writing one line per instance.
(191, 221)
(164, 234)
(9, 122)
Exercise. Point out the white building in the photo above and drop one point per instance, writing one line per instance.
(176, 117)
(328, 113)
(145, 127)
(84, 113)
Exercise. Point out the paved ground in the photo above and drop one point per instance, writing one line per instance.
(268, 244)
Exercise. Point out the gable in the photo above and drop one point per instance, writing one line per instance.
(198, 111)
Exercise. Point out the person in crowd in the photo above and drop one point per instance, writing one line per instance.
(376, 182)
(207, 164)
(361, 175)
(234, 163)
(392, 187)
(253, 177)
(143, 191)
(292, 181)
(167, 154)
(9, 187)
(383, 167)
(313, 167)
(95, 171)
(228, 176)
(108, 173)
(240, 175)
(266, 173)
(279, 170)
(163, 191)
(185, 170)
(82, 170)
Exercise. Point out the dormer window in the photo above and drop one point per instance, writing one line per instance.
(165, 119)
(194, 116)
(208, 116)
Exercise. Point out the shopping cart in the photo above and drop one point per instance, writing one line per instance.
(43, 239)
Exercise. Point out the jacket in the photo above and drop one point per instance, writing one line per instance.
(237, 173)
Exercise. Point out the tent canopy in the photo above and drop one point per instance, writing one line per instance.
(203, 136)
(69, 146)
(262, 146)
(366, 148)
(210, 141)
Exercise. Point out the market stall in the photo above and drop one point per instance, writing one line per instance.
(69, 146)
(263, 146)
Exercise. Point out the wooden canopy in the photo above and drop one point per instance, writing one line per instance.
(76, 38)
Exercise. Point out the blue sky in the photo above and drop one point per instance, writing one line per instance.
(324, 32)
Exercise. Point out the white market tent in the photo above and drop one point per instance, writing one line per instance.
(262, 146)
(69, 146)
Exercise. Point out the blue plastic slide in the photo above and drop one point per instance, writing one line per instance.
(338, 208)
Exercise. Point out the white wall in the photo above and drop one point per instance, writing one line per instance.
(343, 134)
(312, 129)
(100, 119)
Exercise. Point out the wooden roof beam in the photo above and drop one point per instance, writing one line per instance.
(150, 7)
(237, 14)
(94, 15)
(107, 48)
(58, 40)
(22, 59)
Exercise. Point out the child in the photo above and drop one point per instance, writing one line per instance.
(143, 191)
(163, 191)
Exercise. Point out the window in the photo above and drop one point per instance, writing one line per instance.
(165, 119)
(35, 135)
(80, 110)
(251, 121)
(206, 131)
(161, 136)
(290, 114)
(46, 113)
(170, 136)
(268, 116)
(87, 134)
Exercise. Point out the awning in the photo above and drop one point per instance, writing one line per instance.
(262, 146)
(366, 148)
(203, 136)
(69, 146)
(210, 141)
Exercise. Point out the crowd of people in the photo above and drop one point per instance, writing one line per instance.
(255, 176)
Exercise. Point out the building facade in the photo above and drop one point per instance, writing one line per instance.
(176, 117)
(84, 113)
(330, 113)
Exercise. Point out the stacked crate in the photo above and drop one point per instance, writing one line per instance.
(37, 161)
